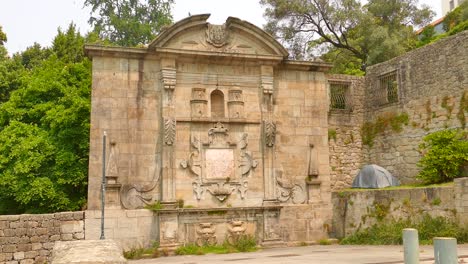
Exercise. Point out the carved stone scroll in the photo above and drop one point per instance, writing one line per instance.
(267, 84)
(168, 78)
(270, 132)
(289, 191)
(169, 131)
(136, 196)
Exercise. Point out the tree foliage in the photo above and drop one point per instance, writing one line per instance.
(454, 22)
(369, 33)
(129, 22)
(445, 155)
(44, 129)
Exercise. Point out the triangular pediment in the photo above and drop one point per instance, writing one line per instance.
(235, 36)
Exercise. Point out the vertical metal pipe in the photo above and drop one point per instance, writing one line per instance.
(411, 246)
(103, 183)
(445, 250)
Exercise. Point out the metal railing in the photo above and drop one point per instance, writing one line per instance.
(340, 96)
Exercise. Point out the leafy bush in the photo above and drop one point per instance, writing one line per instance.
(446, 153)
(391, 232)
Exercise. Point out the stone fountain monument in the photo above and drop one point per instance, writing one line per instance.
(214, 124)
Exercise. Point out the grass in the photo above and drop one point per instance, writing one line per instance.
(142, 252)
(390, 233)
(245, 243)
(155, 206)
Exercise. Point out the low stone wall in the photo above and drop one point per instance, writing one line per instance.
(30, 238)
(358, 209)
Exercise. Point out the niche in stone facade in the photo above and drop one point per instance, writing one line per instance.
(235, 104)
(217, 104)
(199, 102)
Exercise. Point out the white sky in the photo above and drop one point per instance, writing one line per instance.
(29, 21)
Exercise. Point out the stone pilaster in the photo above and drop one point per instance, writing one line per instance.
(168, 82)
(269, 134)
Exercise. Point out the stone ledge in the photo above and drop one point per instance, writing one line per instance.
(87, 251)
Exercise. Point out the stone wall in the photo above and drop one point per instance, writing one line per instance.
(355, 210)
(344, 128)
(30, 238)
(130, 228)
(461, 199)
(431, 81)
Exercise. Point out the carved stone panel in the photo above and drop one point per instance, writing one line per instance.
(269, 132)
(219, 164)
(169, 131)
(217, 35)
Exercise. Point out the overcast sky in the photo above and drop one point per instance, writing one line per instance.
(29, 21)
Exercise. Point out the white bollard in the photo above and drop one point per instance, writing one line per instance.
(411, 246)
(445, 250)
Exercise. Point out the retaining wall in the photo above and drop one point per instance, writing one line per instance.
(30, 238)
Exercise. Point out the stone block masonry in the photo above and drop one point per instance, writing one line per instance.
(30, 238)
(432, 87)
(355, 210)
(428, 86)
(344, 132)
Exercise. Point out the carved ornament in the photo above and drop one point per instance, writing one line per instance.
(267, 84)
(206, 234)
(169, 131)
(217, 35)
(219, 167)
(168, 78)
(287, 191)
(236, 230)
(270, 132)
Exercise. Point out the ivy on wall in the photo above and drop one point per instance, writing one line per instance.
(393, 121)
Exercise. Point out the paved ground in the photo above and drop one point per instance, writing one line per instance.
(312, 254)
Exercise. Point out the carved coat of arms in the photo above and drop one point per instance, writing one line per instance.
(217, 35)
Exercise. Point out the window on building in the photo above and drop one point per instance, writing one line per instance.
(217, 104)
(388, 88)
(339, 95)
(452, 5)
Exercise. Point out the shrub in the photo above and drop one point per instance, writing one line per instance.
(390, 233)
(446, 153)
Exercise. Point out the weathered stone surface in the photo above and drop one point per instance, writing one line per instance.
(358, 210)
(23, 238)
(87, 251)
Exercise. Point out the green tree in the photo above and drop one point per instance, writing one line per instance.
(3, 39)
(445, 156)
(129, 22)
(44, 132)
(372, 33)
